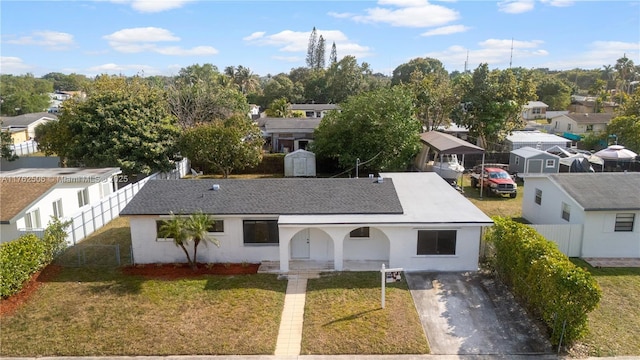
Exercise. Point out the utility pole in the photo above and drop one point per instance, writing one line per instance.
(511, 57)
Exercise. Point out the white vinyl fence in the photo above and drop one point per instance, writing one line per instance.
(92, 217)
(568, 237)
(25, 148)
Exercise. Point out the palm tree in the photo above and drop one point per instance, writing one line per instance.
(197, 226)
(175, 228)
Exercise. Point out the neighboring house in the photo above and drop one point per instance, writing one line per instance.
(534, 110)
(580, 124)
(552, 114)
(534, 139)
(606, 206)
(527, 160)
(588, 104)
(18, 135)
(29, 197)
(460, 132)
(416, 221)
(314, 110)
(27, 122)
(288, 134)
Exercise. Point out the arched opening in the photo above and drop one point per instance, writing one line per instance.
(311, 248)
(365, 248)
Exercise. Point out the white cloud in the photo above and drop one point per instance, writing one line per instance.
(297, 41)
(142, 34)
(516, 6)
(254, 36)
(13, 65)
(599, 53)
(136, 40)
(153, 6)
(111, 68)
(340, 15)
(558, 3)
(405, 13)
(446, 30)
(496, 53)
(53, 40)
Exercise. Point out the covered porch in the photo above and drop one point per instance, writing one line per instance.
(297, 266)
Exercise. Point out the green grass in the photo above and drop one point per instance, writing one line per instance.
(343, 315)
(614, 327)
(495, 205)
(98, 311)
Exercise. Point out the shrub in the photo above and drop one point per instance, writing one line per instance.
(551, 286)
(19, 259)
(23, 257)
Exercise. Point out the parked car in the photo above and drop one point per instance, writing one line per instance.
(495, 180)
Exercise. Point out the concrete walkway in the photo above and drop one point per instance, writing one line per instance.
(290, 333)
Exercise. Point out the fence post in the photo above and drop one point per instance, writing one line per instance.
(118, 254)
(84, 228)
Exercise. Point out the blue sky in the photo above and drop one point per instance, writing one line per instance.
(159, 37)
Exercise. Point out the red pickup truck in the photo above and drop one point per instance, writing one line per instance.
(495, 180)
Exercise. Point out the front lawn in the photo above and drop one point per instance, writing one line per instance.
(343, 315)
(614, 327)
(101, 311)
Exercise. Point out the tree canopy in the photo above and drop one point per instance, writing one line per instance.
(122, 122)
(24, 94)
(377, 126)
(226, 145)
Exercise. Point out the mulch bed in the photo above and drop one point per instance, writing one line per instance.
(176, 271)
(8, 306)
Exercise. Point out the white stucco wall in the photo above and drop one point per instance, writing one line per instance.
(148, 249)
(550, 209)
(600, 239)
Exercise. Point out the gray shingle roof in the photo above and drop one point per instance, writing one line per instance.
(266, 196)
(26, 119)
(598, 118)
(602, 191)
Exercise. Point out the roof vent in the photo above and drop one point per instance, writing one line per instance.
(380, 180)
(215, 187)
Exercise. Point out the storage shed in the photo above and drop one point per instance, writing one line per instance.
(300, 163)
(527, 160)
(535, 139)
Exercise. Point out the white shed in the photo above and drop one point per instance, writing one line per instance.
(300, 163)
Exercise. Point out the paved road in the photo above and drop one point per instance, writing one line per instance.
(467, 313)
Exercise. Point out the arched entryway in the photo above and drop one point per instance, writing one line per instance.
(365, 248)
(311, 248)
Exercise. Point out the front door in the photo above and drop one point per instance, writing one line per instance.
(300, 246)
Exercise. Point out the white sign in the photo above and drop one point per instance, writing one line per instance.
(389, 275)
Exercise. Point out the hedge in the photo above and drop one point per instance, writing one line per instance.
(551, 286)
(23, 257)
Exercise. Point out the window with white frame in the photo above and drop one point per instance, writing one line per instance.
(538, 199)
(260, 232)
(625, 221)
(360, 233)
(550, 163)
(83, 197)
(159, 236)
(217, 226)
(32, 219)
(436, 242)
(568, 127)
(57, 209)
(566, 211)
(590, 127)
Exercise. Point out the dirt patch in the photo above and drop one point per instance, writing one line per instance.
(9, 305)
(176, 271)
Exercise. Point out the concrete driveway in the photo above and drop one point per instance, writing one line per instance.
(469, 314)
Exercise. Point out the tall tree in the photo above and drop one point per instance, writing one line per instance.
(280, 86)
(492, 104)
(344, 79)
(311, 49)
(320, 54)
(402, 73)
(24, 94)
(333, 57)
(376, 125)
(554, 92)
(231, 144)
(625, 71)
(198, 95)
(71, 82)
(198, 226)
(122, 122)
(435, 98)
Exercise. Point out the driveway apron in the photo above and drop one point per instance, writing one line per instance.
(470, 314)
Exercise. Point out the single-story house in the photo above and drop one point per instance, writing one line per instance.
(534, 110)
(605, 208)
(288, 134)
(27, 121)
(535, 139)
(589, 104)
(29, 196)
(527, 160)
(580, 124)
(416, 221)
(314, 110)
